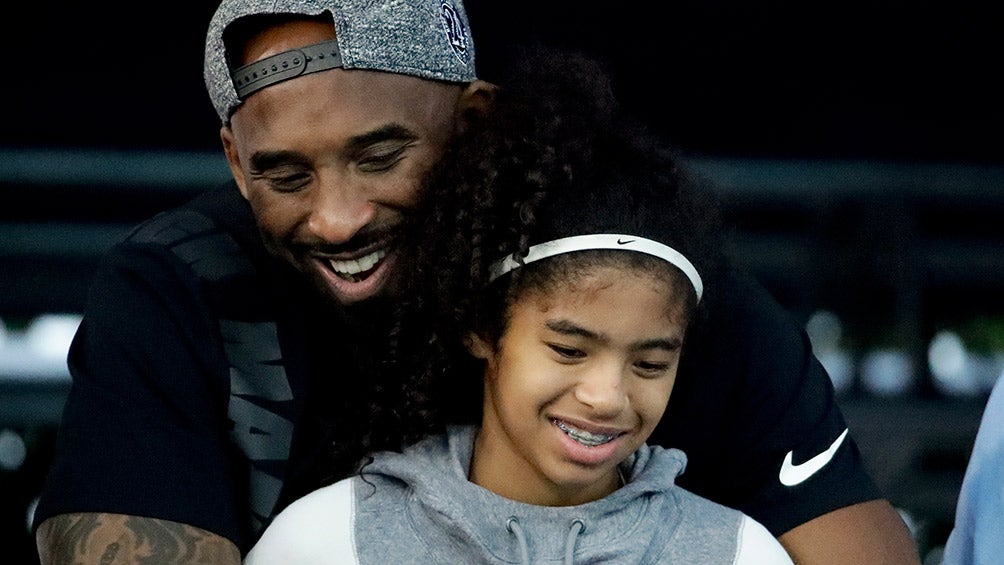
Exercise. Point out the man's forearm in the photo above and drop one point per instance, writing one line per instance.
(119, 539)
(869, 532)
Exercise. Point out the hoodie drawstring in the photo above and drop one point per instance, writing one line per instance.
(577, 527)
(512, 526)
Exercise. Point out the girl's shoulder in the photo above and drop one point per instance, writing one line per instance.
(312, 529)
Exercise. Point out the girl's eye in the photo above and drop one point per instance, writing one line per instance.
(651, 369)
(564, 351)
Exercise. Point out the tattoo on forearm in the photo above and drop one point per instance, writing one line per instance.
(113, 539)
(168, 542)
(109, 556)
(68, 535)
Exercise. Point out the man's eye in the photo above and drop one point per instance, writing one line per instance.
(288, 183)
(382, 159)
(568, 352)
(283, 179)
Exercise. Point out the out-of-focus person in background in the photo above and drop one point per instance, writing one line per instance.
(978, 535)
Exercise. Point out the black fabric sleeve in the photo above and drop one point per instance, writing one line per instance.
(144, 430)
(749, 391)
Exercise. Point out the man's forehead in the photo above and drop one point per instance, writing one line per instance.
(285, 51)
(348, 109)
(278, 37)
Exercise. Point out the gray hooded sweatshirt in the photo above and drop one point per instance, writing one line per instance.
(419, 507)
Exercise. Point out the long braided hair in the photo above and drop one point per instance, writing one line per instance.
(555, 156)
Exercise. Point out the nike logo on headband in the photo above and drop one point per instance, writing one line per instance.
(791, 475)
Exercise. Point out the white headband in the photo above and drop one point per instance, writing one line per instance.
(601, 241)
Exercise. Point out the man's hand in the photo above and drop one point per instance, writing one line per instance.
(870, 533)
(110, 539)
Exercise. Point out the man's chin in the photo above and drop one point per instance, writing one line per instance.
(379, 297)
(373, 311)
(335, 298)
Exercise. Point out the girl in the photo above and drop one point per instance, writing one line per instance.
(572, 260)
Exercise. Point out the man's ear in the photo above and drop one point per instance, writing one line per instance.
(475, 102)
(477, 346)
(233, 158)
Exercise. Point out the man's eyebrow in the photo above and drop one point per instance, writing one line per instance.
(265, 160)
(383, 133)
(567, 327)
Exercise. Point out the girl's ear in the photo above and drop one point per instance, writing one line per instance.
(477, 346)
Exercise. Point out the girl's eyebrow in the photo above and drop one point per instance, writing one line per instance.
(567, 327)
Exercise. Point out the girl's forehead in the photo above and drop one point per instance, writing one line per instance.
(587, 282)
(602, 272)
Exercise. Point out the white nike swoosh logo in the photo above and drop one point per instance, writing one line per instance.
(792, 475)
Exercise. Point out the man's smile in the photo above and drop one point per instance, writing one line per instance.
(355, 270)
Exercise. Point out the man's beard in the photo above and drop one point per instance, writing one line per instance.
(366, 320)
(372, 317)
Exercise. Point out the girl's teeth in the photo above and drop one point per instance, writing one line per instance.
(352, 267)
(582, 436)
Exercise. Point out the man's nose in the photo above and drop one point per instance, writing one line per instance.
(602, 388)
(339, 209)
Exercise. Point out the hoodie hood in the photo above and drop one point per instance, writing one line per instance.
(450, 513)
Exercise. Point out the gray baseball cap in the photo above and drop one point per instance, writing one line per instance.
(423, 38)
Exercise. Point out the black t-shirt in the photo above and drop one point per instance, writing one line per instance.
(749, 395)
(196, 351)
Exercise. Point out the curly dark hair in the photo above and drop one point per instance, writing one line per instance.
(555, 157)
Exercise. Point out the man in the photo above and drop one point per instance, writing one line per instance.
(203, 334)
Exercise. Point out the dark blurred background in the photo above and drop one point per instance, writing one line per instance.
(856, 146)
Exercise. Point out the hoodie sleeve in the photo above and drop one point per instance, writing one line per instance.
(315, 529)
(758, 547)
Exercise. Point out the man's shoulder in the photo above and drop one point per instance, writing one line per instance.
(221, 210)
(213, 236)
(746, 336)
(740, 301)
